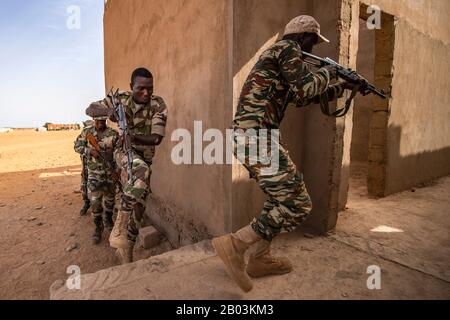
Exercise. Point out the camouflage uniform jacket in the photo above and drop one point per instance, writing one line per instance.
(280, 78)
(142, 120)
(107, 145)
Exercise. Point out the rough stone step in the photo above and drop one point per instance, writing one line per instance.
(99, 284)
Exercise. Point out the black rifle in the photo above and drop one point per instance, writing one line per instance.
(124, 132)
(361, 84)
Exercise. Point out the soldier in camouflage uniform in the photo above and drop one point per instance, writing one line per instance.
(84, 177)
(146, 117)
(279, 79)
(100, 184)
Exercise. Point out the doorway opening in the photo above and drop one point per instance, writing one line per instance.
(368, 157)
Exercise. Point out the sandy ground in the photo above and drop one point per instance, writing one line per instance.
(39, 215)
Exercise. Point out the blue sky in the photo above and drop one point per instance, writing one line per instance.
(49, 72)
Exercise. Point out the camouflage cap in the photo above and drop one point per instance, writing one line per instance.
(303, 24)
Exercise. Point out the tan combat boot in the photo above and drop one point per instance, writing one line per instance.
(118, 238)
(125, 255)
(262, 263)
(231, 248)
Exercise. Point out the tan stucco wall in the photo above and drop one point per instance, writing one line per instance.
(186, 46)
(201, 51)
(418, 136)
(362, 111)
(214, 58)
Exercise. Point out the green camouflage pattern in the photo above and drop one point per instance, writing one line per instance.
(279, 79)
(100, 185)
(142, 119)
(107, 145)
(141, 171)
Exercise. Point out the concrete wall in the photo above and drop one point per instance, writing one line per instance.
(323, 153)
(201, 51)
(363, 106)
(418, 131)
(186, 46)
(200, 74)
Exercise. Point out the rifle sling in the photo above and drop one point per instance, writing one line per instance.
(325, 106)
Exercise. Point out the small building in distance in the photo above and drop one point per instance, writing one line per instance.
(60, 127)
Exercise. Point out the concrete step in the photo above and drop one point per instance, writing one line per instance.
(324, 268)
(128, 281)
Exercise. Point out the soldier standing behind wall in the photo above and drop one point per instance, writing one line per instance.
(146, 116)
(84, 177)
(97, 144)
(279, 79)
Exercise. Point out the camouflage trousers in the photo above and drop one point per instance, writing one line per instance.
(102, 191)
(135, 192)
(288, 203)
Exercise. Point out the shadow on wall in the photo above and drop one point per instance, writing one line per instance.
(257, 21)
(257, 197)
(404, 172)
(179, 228)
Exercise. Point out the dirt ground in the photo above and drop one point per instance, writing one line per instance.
(39, 215)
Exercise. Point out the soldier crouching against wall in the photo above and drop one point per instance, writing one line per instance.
(146, 116)
(279, 79)
(84, 177)
(97, 143)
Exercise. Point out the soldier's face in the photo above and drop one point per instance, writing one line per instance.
(309, 41)
(100, 124)
(142, 90)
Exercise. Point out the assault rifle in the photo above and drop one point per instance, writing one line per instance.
(361, 84)
(124, 132)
